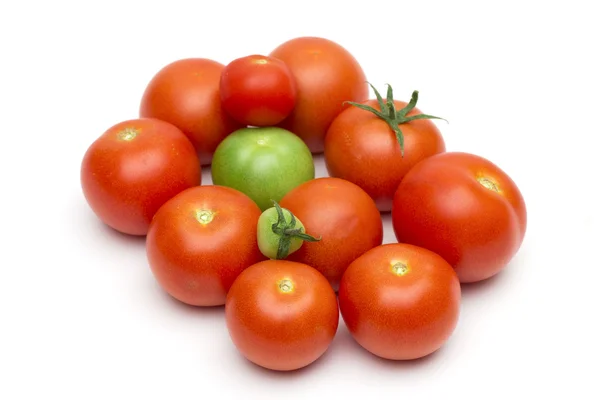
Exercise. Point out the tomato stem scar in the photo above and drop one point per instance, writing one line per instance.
(286, 285)
(400, 268)
(204, 216)
(488, 184)
(127, 134)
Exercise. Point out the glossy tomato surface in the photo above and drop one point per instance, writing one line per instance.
(342, 215)
(399, 301)
(257, 90)
(281, 315)
(362, 148)
(466, 209)
(200, 241)
(264, 163)
(186, 94)
(133, 168)
(326, 76)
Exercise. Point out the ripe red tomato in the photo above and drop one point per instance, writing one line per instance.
(200, 241)
(464, 208)
(363, 148)
(133, 168)
(342, 215)
(257, 90)
(326, 76)
(186, 94)
(281, 315)
(400, 301)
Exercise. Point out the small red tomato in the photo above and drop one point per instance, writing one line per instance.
(257, 90)
(399, 301)
(342, 215)
(374, 145)
(200, 241)
(281, 315)
(133, 168)
(186, 94)
(464, 208)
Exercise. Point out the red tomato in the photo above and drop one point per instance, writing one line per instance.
(400, 301)
(200, 241)
(133, 168)
(257, 90)
(362, 148)
(342, 215)
(326, 76)
(466, 209)
(281, 315)
(186, 94)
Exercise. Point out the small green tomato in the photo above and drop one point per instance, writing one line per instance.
(280, 233)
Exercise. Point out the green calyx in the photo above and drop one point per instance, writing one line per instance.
(288, 231)
(393, 117)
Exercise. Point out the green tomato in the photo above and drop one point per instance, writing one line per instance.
(265, 163)
(279, 233)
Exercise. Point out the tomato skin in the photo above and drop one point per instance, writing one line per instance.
(400, 317)
(441, 205)
(257, 90)
(133, 168)
(196, 256)
(186, 94)
(362, 148)
(342, 215)
(281, 330)
(264, 163)
(326, 76)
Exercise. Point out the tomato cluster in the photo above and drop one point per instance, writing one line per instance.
(286, 253)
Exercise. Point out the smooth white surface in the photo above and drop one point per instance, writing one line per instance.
(82, 316)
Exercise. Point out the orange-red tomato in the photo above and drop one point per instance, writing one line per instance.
(200, 241)
(466, 209)
(326, 76)
(400, 301)
(186, 94)
(362, 148)
(281, 315)
(133, 168)
(257, 90)
(342, 215)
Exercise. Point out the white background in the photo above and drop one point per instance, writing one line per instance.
(82, 317)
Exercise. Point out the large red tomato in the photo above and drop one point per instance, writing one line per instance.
(186, 94)
(257, 90)
(326, 76)
(466, 209)
(200, 241)
(133, 168)
(363, 147)
(342, 215)
(400, 301)
(281, 315)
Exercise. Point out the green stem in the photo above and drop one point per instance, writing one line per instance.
(287, 231)
(394, 118)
